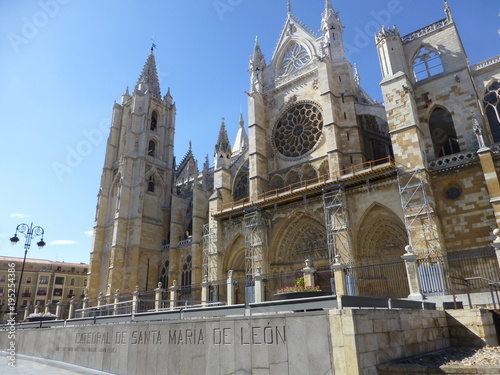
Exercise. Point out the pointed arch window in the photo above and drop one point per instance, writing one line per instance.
(152, 148)
(186, 275)
(151, 184)
(491, 102)
(154, 121)
(241, 185)
(427, 63)
(443, 134)
(164, 275)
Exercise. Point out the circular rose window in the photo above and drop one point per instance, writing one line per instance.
(298, 130)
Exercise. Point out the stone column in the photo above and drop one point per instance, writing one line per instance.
(158, 294)
(339, 276)
(496, 244)
(205, 292)
(26, 312)
(173, 294)
(230, 288)
(59, 309)
(135, 300)
(99, 299)
(37, 307)
(259, 287)
(308, 274)
(116, 301)
(410, 259)
(71, 312)
(47, 306)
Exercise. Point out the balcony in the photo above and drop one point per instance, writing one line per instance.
(26, 295)
(41, 293)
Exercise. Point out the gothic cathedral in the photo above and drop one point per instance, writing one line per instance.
(325, 174)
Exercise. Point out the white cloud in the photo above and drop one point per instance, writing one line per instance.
(20, 216)
(62, 242)
(89, 233)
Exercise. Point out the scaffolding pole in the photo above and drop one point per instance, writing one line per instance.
(254, 241)
(337, 224)
(417, 209)
(209, 253)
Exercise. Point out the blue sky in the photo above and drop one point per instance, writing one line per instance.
(64, 62)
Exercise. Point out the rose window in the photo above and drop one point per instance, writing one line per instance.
(298, 130)
(295, 58)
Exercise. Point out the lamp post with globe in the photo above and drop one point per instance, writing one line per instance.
(29, 232)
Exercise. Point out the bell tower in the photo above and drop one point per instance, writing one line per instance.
(132, 215)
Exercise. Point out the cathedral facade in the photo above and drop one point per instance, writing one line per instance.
(325, 173)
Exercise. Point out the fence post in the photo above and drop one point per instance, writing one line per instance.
(308, 272)
(259, 286)
(71, 308)
(410, 259)
(116, 301)
(158, 294)
(47, 306)
(496, 244)
(135, 300)
(205, 289)
(173, 294)
(339, 276)
(230, 288)
(59, 309)
(37, 307)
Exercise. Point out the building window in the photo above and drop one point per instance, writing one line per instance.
(491, 102)
(73, 269)
(2, 279)
(154, 121)
(443, 134)
(151, 184)
(59, 268)
(71, 293)
(44, 279)
(28, 280)
(151, 148)
(59, 280)
(164, 275)
(41, 292)
(72, 282)
(58, 292)
(85, 270)
(427, 63)
(186, 276)
(84, 282)
(1, 291)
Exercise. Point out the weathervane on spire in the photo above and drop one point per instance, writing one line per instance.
(153, 44)
(289, 6)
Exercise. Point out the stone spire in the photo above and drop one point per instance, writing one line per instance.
(241, 141)
(447, 10)
(357, 79)
(289, 6)
(148, 80)
(257, 65)
(223, 144)
(332, 30)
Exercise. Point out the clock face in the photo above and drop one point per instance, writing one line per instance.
(298, 130)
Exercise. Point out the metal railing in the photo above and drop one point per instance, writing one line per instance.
(469, 284)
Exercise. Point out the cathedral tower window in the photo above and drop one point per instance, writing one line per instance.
(443, 134)
(241, 186)
(164, 275)
(186, 276)
(151, 184)
(491, 102)
(427, 63)
(152, 148)
(154, 121)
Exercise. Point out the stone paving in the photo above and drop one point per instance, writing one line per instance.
(487, 356)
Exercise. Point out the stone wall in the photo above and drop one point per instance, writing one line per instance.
(341, 342)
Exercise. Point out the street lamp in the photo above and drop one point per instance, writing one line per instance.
(29, 232)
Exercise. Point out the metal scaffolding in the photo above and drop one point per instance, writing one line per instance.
(209, 252)
(337, 224)
(417, 209)
(254, 241)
